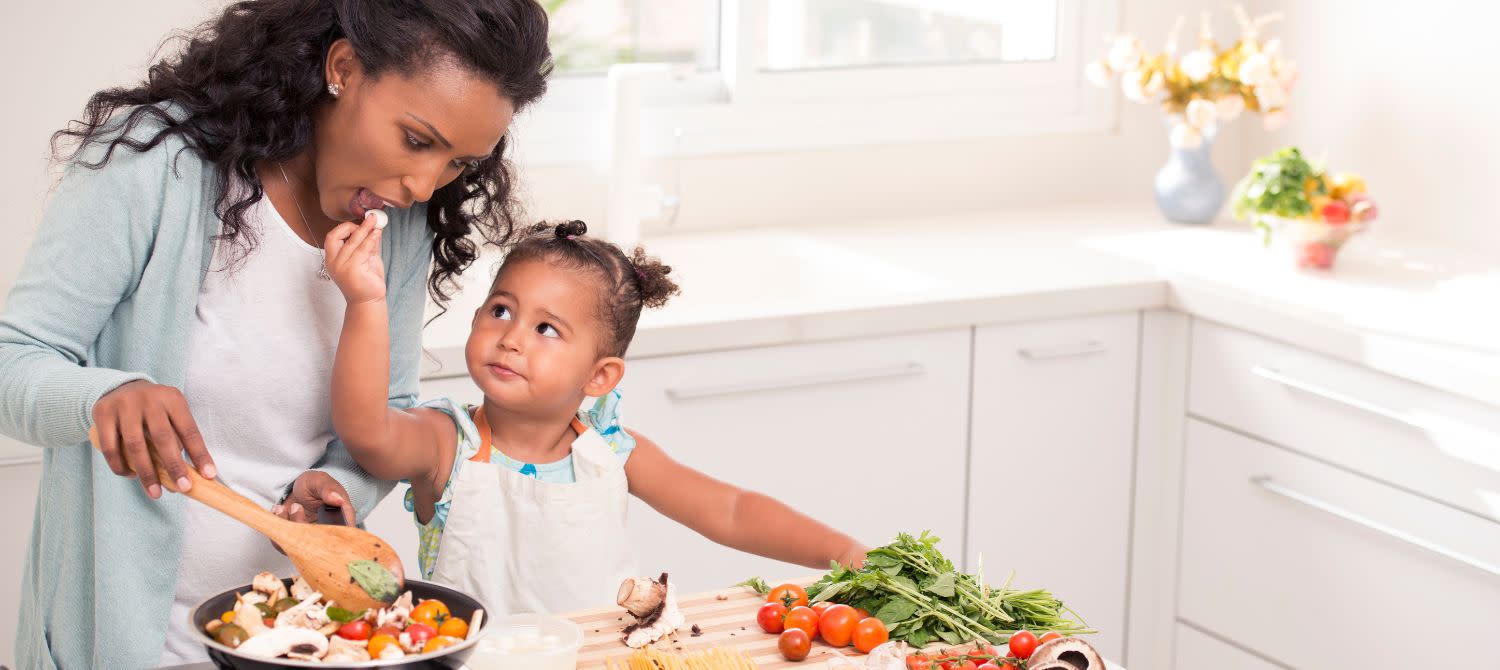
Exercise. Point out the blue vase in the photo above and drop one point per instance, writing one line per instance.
(1187, 188)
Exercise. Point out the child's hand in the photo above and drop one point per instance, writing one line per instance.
(352, 253)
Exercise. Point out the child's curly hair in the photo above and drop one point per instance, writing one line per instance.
(628, 283)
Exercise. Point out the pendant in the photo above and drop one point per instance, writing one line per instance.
(323, 270)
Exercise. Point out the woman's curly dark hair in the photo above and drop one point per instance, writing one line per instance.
(627, 283)
(250, 79)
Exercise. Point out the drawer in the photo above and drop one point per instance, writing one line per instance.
(1197, 650)
(1315, 567)
(1411, 436)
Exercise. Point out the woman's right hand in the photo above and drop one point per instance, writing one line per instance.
(140, 418)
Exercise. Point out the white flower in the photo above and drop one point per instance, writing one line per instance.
(1198, 64)
(1185, 136)
(1276, 120)
(1098, 73)
(1124, 54)
(1256, 70)
(1271, 96)
(1228, 107)
(1201, 113)
(1138, 88)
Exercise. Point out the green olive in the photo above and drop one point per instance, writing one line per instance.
(284, 604)
(230, 635)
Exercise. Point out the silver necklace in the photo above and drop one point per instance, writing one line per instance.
(323, 265)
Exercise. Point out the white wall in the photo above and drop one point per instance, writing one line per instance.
(1406, 95)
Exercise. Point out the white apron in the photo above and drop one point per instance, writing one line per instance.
(520, 544)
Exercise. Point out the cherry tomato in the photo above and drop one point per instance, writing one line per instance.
(454, 627)
(420, 633)
(967, 665)
(771, 617)
(862, 612)
(270, 622)
(1048, 637)
(1022, 644)
(378, 644)
(945, 660)
(389, 629)
(441, 641)
(794, 644)
(430, 612)
(803, 618)
(1007, 665)
(789, 595)
(355, 630)
(837, 625)
(918, 661)
(821, 607)
(870, 633)
(227, 617)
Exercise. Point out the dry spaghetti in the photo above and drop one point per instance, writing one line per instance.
(711, 659)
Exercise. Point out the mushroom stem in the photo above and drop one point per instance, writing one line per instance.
(640, 596)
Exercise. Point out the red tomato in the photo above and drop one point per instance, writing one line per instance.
(1007, 665)
(863, 613)
(389, 629)
(270, 622)
(837, 625)
(420, 633)
(794, 644)
(918, 661)
(1048, 637)
(803, 618)
(989, 665)
(1022, 644)
(355, 630)
(789, 595)
(821, 607)
(946, 660)
(967, 665)
(870, 633)
(1335, 212)
(771, 617)
(983, 649)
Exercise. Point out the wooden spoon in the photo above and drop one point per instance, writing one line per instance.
(321, 553)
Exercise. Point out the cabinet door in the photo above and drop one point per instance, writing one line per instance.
(866, 435)
(1318, 567)
(1051, 462)
(1197, 650)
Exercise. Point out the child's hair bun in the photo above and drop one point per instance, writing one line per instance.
(569, 229)
(651, 277)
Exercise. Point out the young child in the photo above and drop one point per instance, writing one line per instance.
(522, 500)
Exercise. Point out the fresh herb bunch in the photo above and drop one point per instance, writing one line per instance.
(1279, 185)
(911, 587)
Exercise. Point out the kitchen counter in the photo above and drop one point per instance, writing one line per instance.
(1419, 312)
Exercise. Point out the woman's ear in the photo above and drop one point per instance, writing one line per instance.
(341, 68)
(607, 373)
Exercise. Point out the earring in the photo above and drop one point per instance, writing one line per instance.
(333, 90)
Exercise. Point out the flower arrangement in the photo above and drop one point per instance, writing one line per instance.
(1318, 212)
(1207, 85)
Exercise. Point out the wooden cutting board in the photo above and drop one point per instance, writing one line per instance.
(726, 619)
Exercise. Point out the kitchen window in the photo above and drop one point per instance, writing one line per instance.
(775, 75)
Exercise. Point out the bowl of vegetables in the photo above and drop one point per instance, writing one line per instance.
(1308, 212)
(282, 623)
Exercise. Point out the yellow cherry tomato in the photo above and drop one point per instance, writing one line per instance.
(1346, 184)
(430, 612)
(378, 643)
(227, 617)
(440, 642)
(454, 627)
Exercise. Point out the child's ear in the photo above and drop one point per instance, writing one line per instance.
(607, 373)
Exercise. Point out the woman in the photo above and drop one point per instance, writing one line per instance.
(173, 296)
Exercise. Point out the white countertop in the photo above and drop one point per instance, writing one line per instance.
(1426, 314)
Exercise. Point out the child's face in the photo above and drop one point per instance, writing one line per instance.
(534, 345)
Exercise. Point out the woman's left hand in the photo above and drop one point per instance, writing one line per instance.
(312, 492)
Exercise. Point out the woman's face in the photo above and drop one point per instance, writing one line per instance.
(394, 140)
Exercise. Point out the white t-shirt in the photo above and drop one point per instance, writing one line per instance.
(259, 367)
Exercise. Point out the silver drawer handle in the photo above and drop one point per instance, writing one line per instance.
(1341, 398)
(1083, 348)
(1265, 482)
(697, 392)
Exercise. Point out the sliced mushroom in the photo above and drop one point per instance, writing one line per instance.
(397, 613)
(299, 643)
(306, 614)
(341, 650)
(1067, 653)
(270, 586)
(213, 626)
(301, 589)
(391, 651)
(248, 616)
(251, 597)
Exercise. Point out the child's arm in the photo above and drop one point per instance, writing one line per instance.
(732, 516)
(388, 443)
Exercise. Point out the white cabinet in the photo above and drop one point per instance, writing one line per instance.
(1316, 566)
(1051, 461)
(1197, 650)
(18, 487)
(866, 435)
